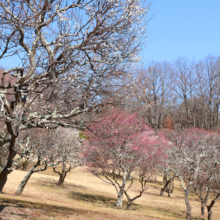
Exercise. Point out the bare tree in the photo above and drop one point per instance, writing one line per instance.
(210, 73)
(69, 52)
(195, 92)
(208, 181)
(145, 92)
(195, 156)
(41, 151)
(157, 94)
(68, 147)
(183, 83)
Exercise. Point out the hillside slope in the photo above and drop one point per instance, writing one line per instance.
(84, 196)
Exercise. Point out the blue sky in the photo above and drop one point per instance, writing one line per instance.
(189, 28)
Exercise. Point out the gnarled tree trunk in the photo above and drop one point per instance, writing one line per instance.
(9, 142)
(28, 175)
(209, 207)
(62, 178)
(168, 186)
(202, 208)
(129, 201)
(25, 180)
(121, 191)
(188, 206)
(165, 187)
(136, 197)
(63, 173)
(120, 198)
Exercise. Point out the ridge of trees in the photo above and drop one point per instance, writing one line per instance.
(178, 95)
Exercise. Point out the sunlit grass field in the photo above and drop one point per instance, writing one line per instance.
(84, 196)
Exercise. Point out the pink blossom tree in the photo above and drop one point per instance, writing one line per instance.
(152, 154)
(121, 147)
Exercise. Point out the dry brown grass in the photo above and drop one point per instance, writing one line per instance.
(84, 196)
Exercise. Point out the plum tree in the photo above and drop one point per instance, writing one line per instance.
(68, 53)
(120, 148)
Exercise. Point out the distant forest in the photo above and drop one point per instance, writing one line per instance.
(178, 95)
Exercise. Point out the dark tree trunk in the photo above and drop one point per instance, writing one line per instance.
(164, 179)
(136, 197)
(2, 183)
(7, 169)
(209, 207)
(202, 208)
(9, 142)
(164, 188)
(25, 164)
(167, 187)
(168, 191)
(63, 173)
(61, 179)
(129, 200)
(129, 205)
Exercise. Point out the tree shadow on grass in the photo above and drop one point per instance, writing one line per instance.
(101, 201)
(79, 193)
(13, 209)
(108, 202)
(20, 209)
(93, 198)
(52, 184)
(32, 210)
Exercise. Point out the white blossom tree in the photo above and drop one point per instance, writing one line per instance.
(48, 148)
(195, 160)
(70, 53)
(68, 147)
(41, 151)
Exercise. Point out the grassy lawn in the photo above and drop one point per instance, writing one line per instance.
(84, 196)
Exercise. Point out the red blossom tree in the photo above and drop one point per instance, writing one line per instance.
(121, 148)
